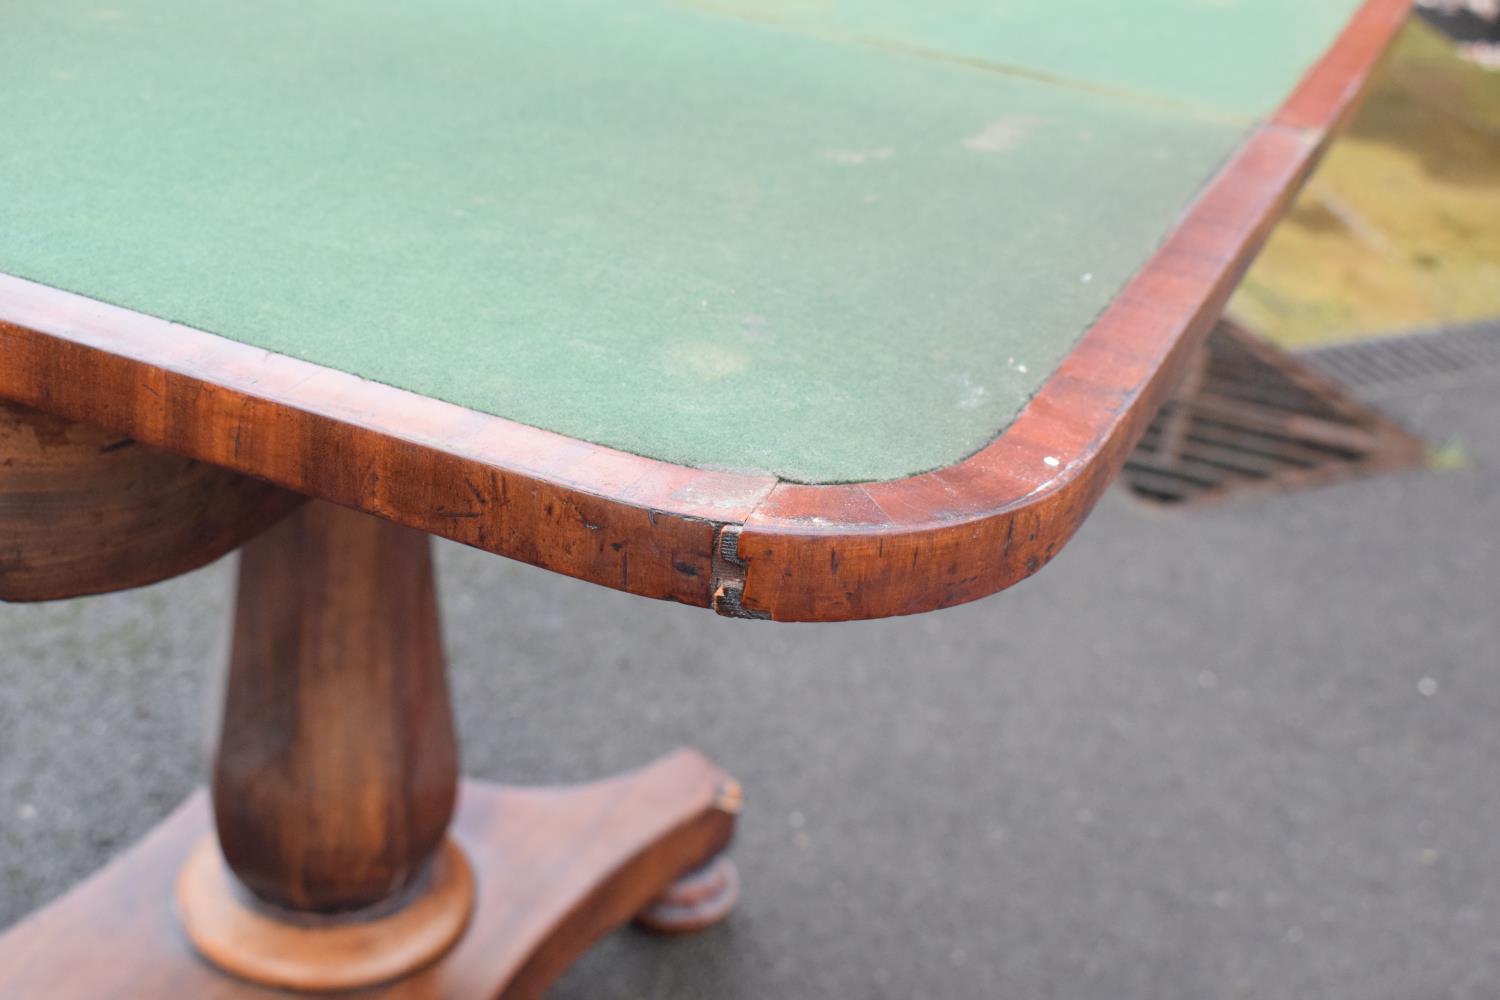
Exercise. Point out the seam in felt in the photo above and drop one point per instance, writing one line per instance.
(1191, 109)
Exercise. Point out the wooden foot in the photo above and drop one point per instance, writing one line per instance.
(555, 869)
(697, 901)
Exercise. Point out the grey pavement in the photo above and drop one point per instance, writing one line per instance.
(1247, 751)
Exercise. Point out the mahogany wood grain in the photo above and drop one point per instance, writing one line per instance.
(804, 552)
(337, 766)
(85, 511)
(555, 869)
(1329, 95)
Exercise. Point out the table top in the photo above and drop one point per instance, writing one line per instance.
(756, 244)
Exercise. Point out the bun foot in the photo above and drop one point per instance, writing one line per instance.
(698, 900)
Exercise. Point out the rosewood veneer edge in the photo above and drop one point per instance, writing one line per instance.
(830, 553)
(794, 552)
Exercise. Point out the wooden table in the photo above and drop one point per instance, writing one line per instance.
(805, 313)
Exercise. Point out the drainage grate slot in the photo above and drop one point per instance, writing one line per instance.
(1412, 361)
(1247, 416)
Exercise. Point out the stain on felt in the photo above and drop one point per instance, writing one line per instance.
(1001, 135)
(704, 360)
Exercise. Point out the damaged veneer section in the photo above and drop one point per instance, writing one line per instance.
(729, 576)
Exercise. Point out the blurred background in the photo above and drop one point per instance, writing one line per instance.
(1400, 228)
(1239, 740)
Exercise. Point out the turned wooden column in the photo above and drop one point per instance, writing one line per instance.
(331, 868)
(337, 766)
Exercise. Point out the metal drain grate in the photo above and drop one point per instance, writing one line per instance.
(1249, 416)
(1462, 20)
(1413, 361)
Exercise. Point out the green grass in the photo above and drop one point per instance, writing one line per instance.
(1400, 226)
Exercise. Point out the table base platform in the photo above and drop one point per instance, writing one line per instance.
(555, 869)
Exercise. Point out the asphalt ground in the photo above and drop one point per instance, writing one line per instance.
(1245, 751)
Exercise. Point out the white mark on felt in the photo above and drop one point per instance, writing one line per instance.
(1052, 461)
(1001, 135)
(972, 394)
(1427, 687)
(855, 157)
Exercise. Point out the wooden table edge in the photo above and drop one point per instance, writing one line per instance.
(747, 545)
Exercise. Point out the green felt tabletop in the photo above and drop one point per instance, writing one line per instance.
(1234, 57)
(831, 241)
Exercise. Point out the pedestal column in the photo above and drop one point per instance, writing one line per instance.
(337, 769)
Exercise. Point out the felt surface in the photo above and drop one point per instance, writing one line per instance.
(1235, 57)
(692, 236)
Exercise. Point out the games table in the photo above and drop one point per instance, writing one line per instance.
(804, 312)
